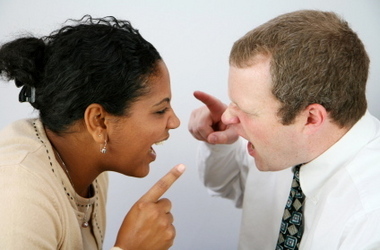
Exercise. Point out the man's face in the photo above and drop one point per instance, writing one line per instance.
(253, 113)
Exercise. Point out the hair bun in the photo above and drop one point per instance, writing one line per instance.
(23, 60)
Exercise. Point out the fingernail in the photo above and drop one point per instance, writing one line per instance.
(181, 168)
(213, 139)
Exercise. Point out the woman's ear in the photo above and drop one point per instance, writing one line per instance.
(94, 117)
(316, 116)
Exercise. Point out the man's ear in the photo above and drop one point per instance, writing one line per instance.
(94, 117)
(315, 117)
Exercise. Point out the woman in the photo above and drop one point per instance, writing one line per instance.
(103, 95)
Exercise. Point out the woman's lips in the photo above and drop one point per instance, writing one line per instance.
(152, 153)
(151, 150)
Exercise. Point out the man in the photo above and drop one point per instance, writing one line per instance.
(297, 89)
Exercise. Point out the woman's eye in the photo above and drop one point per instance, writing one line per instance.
(163, 111)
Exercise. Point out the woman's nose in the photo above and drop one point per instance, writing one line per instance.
(173, 121)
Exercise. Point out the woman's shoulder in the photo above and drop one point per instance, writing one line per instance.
(18, 140)
(24, 155)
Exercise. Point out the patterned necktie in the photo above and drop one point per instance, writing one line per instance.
(292, 222)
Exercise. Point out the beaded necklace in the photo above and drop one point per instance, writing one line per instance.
(85, 220)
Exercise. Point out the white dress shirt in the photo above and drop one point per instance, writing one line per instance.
(342, 188)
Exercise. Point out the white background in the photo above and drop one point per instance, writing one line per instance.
(194, 38)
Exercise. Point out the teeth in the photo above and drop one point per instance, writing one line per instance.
(159, 143)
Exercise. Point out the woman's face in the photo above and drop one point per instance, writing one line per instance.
(130, 138)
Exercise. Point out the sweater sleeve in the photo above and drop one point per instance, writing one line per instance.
(28, 215)
(223, 169)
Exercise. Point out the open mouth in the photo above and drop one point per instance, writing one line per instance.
(159, 143)
(162, 141)
(156, 143)
(251, 148)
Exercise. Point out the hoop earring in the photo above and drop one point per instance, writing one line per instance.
(104, 149)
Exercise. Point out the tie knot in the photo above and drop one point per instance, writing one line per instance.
(296, 171)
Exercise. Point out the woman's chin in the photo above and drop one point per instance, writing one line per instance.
(143, 172)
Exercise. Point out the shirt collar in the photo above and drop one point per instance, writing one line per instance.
(315, 173)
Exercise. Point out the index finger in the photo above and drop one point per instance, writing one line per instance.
(215, 106)
(161, 186)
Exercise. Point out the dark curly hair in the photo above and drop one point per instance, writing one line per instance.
(93, 60)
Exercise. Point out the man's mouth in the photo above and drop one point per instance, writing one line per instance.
(251, 149)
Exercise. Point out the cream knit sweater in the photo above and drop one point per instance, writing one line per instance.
(38, 208)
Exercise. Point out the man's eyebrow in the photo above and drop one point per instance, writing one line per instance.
(167, 99)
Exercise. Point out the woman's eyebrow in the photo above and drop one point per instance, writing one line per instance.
(167, 99)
